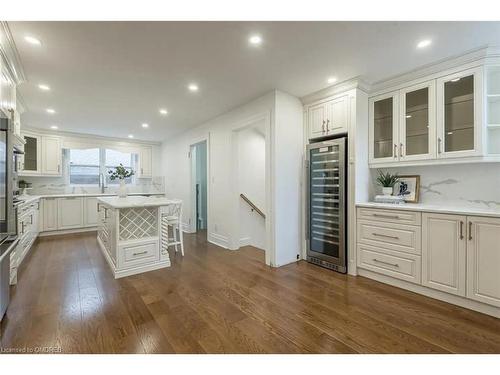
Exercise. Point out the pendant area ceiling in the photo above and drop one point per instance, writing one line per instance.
(108, 78)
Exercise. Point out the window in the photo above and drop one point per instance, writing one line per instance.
(84, 166)
(114, 159)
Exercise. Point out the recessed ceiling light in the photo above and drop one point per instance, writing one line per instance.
(51, 111)
(455, 79)
(32, 40)
(332, 79)
(193, 87)
(163, 111)
(255, 40)
(55, 127)
(44, 87)
(145, 126)
(130, 136)
(424, 43)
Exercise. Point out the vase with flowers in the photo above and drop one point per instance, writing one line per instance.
(121, 173)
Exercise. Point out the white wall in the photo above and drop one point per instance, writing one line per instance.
(252, 183)
(283, 114)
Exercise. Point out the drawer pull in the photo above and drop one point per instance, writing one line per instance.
(381, 261)
(141, 253)
(385, 235)
(387, 216)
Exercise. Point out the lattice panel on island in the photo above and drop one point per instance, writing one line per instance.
(138, 223)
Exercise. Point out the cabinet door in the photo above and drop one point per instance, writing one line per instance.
(317, 120)
(483, 260)
(146, 163)
(459, 114)
(31, 164)
(383, 128)
(417, 122)
(51, 156)
(336, 116)
(444, 252)
(90, 209)
(49, 209)
(70, 213)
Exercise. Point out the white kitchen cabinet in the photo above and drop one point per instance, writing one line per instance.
(483, 260)
(31, 161)
(145, 163)
(328, 117)
(90, 211)
(444, 252)
(51, 156)
(70, 212)
(50, 214)
(384, 128)
(460, 114)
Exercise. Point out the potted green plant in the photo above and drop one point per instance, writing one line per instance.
(121, 174)
(387, 181)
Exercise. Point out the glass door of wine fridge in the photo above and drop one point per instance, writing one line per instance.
(326, 245)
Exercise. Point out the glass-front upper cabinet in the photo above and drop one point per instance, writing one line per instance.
(417, 122)
(384, 128)
(31, 160)
(459, 114)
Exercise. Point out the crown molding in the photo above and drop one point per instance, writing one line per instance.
(10, 55)
(338, 88)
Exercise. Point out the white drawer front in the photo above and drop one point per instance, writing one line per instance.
(397, 237)
(401, 266)
(390, 216)
(136, 255)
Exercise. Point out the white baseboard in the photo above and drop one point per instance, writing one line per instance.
(219, 240)
(432, 293)
(245, 241)
(186, 228)
(67, 231)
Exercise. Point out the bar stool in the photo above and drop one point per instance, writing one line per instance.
(171, 218)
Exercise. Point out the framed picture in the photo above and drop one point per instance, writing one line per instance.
(408, 187)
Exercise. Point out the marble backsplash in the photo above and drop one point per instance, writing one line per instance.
(50, 185)
(462, 185)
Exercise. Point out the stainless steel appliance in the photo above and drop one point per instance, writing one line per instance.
(6, 247)
(326, 210)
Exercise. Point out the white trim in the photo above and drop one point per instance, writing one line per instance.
(339, 89)
(193, 142)
(218, 239)
(67, 231)
(436, 294)
(245, 241)
(10, 54)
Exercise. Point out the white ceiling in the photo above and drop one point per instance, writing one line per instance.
(109, 77)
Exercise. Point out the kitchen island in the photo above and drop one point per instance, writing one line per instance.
(129, 233)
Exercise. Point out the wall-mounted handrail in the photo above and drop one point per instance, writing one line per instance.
(253, 206)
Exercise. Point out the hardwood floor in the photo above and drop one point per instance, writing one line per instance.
(221, 301)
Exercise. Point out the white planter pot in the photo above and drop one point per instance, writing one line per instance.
(387, 190)
(122, 190)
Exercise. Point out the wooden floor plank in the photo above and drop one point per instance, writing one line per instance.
(220, 301)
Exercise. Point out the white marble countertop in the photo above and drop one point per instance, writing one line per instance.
(69, 195)
(459, 210)
(135, 201)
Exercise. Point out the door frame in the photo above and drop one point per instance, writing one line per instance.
(191, 225)
(234, 243)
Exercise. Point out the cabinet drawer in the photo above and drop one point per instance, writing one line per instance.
(136, 255)
(398, 265)
(390, 216)
(397, 237)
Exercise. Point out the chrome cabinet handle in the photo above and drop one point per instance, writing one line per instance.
(31, 219)
(461, 230)
(395, 151)
(327, 122)
(142, 170)
(390, 264)
(323, 126)
(385, 235)
(58, 168)
(141, 253)
(401, 150)
(387, 216)
(470, 230)
(439, 145)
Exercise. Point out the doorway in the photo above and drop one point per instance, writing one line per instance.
(199, 187)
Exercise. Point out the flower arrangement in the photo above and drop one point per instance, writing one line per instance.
(120, 173)
(387, 181)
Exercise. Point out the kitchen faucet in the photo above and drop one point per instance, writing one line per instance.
(102, 182)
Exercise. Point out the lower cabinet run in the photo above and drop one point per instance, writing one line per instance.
(456, 255)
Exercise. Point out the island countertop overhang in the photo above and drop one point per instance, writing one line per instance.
(135, 201)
